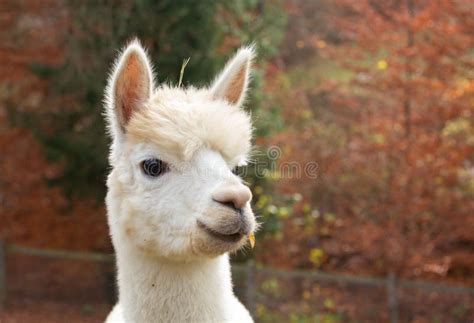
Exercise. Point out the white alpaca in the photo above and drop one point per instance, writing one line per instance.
(175, 209)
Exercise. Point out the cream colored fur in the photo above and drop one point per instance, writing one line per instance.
(171, 265)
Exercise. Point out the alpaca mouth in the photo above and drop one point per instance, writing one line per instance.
(234, 237)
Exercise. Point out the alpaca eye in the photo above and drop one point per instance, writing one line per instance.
(237, 171)
(154, 167)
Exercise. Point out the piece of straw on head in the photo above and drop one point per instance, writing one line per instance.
(181, 73)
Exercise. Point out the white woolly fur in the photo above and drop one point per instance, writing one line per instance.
(169, 268)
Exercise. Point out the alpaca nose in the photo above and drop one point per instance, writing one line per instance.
(235, 195)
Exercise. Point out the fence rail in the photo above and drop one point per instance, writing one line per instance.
(250, 270)
(64, 254)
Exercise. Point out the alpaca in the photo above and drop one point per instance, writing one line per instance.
(174, 207)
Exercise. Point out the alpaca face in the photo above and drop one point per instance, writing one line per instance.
(172, 193)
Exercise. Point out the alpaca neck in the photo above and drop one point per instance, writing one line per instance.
(154, 290)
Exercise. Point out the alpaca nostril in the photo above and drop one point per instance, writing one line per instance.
(229, 205)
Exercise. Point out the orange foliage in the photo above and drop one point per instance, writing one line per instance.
(394, 140)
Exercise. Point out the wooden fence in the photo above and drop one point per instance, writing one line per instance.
(390, 282)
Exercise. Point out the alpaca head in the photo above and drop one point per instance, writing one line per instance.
(172, 192)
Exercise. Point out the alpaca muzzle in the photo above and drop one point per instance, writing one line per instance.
(221, 235)
(232, 225)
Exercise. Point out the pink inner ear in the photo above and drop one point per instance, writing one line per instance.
(234, 89)
(132, 88)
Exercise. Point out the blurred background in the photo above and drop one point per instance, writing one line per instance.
(364, 116)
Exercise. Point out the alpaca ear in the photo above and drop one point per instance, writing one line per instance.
(231, 84)
(130, 85)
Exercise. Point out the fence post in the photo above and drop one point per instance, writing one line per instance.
(250, 287)
(3, 285)
(392, 298)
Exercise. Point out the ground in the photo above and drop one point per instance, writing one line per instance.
(24, 310)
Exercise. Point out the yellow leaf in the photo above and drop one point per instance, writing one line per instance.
(307, 114)
(378, 138)
(320, 44)
(284, 212)
(252, 240)
(382, 64)
(316, 255)
(306, 295)
(306, 207)
(261, 310)
(329, 303)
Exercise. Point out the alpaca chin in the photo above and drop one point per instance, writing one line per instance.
(222, 229)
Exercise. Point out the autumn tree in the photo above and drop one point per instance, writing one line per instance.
(386, 110)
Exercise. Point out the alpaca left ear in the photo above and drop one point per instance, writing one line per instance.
(130, 86)
(231, 84)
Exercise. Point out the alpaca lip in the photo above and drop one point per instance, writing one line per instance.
(235, 237)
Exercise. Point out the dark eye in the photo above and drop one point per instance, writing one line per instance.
(238, 171)
(154, 167)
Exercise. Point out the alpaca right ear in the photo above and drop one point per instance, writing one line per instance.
(231, 84)
(130, 86)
